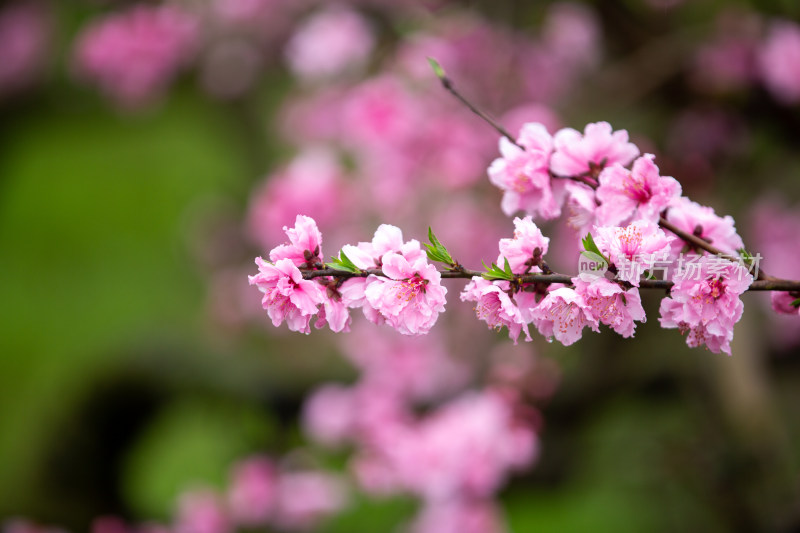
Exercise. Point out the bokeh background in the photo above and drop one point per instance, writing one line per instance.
(138, 181)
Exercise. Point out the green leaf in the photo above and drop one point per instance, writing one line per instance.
(496, 273)
(343, 263)
(590, 246)
(796, 303)
(437, 68)
(436, 250)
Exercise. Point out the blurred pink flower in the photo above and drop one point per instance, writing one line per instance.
(135, 54)
(779, 60)
(252, 491)
(329, 43)
(312, 184)
(782, 303)
(304, 498)
(25, 28)
(466, 448)
(417, 369)
(458, 516)
(201, 511)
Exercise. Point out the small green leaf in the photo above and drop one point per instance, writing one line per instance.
(796, 303)
(496, 273)
(437, 68)
(746, 256)
(343, 263)
(436, 250)
(507, 268)
(590, 246)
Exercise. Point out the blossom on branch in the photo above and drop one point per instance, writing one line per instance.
(526, 247)
(704, 303)
(411, 295)
(639, 193)
(702, 222)
(611, 304)
(625, 247)
(287, 296)
(522, 173)
(563, 314)
(587, 154)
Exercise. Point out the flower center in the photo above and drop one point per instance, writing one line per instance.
(630, 240)
(638, 190)
(521, 182)
(409, 289)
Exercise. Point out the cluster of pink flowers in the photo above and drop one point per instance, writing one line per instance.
(408, 296)
(621, 208)
(134, 55)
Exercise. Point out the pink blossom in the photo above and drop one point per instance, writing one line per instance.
(521, 251)
(587, 154)
(705, 303)
(312, 183)
(611, 304)
(701, 221)
(287, 296)
(458, 516)
(201, 511)
(306, 497)
(572, 33)
(411, 368)
(639, 193)
(779, 59)
(465, 448)
(334, 313)
(330, 42)
(563, 314)
(630, 248)
(367, 255)
(782, 303)
(410, 297)
(305, 243)
(134, 55)
(581, 206)
(522, 173)
(493, 305)
(330, 413)
(251, 493)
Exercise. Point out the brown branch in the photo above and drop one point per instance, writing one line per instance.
(463, 273)
(447, 83)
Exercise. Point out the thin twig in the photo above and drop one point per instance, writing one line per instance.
(760, 285)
